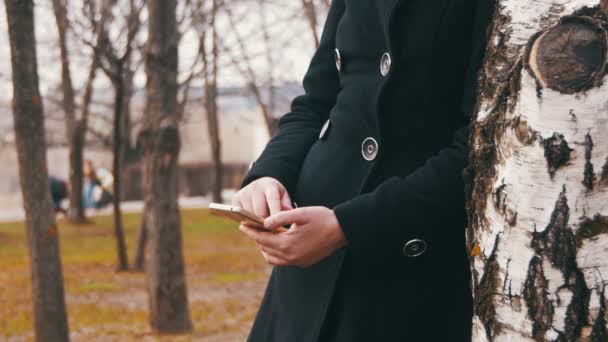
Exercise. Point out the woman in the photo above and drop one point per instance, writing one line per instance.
(372, 156)
(97, 181)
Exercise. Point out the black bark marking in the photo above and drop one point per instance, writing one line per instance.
(557, 244)
(523, 132)
(500, 197)
(604, 175)
(599, 333)
(500, 203)
(557, 240)
(511, 217)
(570, 56)
(504, 284)
(557, 152)
(483, 301)
(540, 308)
(589, 173)
(591, 228)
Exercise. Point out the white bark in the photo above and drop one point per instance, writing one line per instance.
(532, 225)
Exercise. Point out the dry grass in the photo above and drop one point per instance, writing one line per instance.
(226, 277)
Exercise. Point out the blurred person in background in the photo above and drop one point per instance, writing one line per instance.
(59, 192)
(96, 193)
(371, 157)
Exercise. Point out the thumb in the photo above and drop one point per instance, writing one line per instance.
(298, 216)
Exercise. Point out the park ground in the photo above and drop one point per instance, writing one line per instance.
(226, 277)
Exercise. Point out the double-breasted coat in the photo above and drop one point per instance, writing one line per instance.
(380, 136)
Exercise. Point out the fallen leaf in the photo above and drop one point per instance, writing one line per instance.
(476, 251)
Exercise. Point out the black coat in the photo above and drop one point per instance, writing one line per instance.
(380, 136)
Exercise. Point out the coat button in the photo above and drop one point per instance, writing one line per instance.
(338, 59)
(369, 149)
(324, 129)
(414, 248)
(385, 64)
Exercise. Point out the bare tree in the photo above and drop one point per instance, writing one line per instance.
(118, 67)
(50, 316)
(210, 73)
(159, 138)
(142, 234)
(538, 201)
(248, 71)
(76, 128)
(311, 14)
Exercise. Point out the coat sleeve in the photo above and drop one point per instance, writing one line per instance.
(412, 207)
(297, 130)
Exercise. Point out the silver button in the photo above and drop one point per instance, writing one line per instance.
(324, 129)
(338, 59)
(369, 149)
(385, 64)
(414, 248)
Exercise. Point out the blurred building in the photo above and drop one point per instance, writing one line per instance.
(242, 129)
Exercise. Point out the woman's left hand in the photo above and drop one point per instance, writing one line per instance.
(314, 235)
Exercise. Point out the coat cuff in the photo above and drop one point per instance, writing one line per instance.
(381, 233)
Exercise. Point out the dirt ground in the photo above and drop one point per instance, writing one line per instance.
(226, 277)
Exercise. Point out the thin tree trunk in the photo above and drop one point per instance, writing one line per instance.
(73, 128)
(311, 15)
(211, 106)
(168, 298)
(270, 57)
(76, 212)
(142, 238)
(80, 133)
(538, 196)
(50, 318)
(126, 126)
(123, 261)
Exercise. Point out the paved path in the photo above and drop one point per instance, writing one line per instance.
(14, 212)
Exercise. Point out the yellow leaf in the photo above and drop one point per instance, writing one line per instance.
(476, 250)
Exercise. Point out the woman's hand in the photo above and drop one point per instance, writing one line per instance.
(263, 197)
(314, 235)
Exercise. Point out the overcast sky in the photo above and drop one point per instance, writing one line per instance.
(290, 37)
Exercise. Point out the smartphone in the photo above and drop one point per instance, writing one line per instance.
(237, 214)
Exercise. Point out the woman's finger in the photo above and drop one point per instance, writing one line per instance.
(298, 216)
(272, 252)
(260, 207)
(267, 239)
(273, 199)
(286, 201)
(274, 260)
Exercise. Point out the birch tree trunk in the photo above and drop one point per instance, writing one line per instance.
(168, 298)
(50, 318)
(538, 201)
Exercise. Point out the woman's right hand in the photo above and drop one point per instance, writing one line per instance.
(263, 197)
